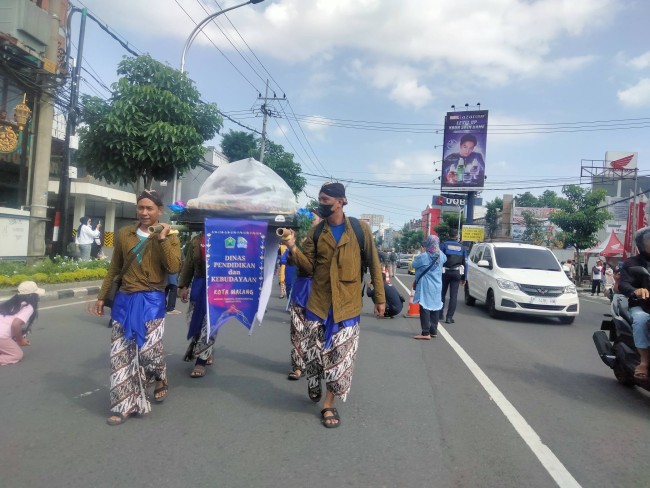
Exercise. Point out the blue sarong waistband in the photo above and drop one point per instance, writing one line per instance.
(300, 291)
(134, 310)
(332, 327)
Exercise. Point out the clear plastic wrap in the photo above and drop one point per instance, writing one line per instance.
(245, 186)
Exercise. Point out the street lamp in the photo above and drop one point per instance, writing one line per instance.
(195, 32)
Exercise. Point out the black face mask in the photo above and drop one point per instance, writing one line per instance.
(325, 210)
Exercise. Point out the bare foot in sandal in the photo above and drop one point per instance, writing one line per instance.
(117, 419)
(160, 391)
(295, 375)
(198, 371)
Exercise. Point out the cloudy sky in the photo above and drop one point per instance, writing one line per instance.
(368, 83)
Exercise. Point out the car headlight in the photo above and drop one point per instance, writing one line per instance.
(571, 289)
(507, 284)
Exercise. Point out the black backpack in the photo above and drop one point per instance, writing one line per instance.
(358, 231)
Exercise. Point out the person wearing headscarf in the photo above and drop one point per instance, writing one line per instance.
(86, 235)
(428, 291)
(193, 288)
(335, 302)
(138, 310)
(16, 318)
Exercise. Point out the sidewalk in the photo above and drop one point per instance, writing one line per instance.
(59, 291)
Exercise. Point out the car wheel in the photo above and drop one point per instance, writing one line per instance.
(469, 299)
(567, 320)
(491, 306)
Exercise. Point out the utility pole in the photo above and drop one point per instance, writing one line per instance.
(63, 207)
(266, 112)
(39, 180)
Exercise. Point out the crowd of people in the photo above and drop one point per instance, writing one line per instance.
(322, 277)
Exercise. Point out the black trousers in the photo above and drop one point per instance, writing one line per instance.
(429, 321)
(171, 292)
(450, 281)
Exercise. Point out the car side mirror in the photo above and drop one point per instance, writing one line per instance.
(484, 263)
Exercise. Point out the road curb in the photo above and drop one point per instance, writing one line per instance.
(60, 294)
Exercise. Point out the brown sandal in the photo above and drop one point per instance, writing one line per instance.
(198, 371)
(117, 419)
(159, 394)
(294, 375)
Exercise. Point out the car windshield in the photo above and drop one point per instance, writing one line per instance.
(522, 258)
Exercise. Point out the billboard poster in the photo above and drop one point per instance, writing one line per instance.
(463, 157)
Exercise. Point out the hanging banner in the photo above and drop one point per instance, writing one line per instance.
(234, 257)
(463, 157)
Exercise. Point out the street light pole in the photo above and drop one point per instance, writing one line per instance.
(195, 32)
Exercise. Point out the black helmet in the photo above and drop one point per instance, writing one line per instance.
(641, 238)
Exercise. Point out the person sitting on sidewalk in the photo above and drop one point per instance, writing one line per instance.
(16, 318)
(394, 300)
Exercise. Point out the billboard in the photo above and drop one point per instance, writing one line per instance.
(621, 160)
(463, 157)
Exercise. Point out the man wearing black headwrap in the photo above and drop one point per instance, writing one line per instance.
(635, 288)
(335, 302)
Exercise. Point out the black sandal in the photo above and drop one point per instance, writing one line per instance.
(334, 416)
(163, 392)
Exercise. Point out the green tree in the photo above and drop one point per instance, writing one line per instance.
(492, 217)
(526, 200)
(534, 232)
(448, 226)
(580, 217)
(410, 240)
(153, 124)
(238, 145)
(549, 199)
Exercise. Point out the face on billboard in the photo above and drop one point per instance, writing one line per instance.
(463, 165)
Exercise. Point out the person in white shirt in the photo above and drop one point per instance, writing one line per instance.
(86, 236)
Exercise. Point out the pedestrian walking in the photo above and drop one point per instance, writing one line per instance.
(17, 315)
(428, 286)
(596, 277)
(333, 253)
(297, 309)
(96, 247)
(454, 274)
(138, 310)
(283, 253)
(193, 288)
(392, 262)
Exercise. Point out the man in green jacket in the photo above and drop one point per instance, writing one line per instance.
(335, 302)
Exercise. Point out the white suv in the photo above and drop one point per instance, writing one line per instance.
(520, 278)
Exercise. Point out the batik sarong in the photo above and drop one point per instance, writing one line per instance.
(134, 369)
(335, 365)
(297, 333)
(200, 347)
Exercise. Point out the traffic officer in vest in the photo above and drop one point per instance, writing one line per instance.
(454, 273)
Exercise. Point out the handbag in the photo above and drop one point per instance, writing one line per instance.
(433, 263)
(117, 280)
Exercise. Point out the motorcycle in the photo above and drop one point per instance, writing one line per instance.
(615, 341)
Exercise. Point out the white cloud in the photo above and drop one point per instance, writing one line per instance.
(317, 126)
(637, 95)
(464, 41)
(417, 166)
(640, 62)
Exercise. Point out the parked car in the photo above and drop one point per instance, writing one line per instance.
(520, 278)
(403, 260)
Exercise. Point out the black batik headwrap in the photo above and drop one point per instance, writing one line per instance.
(152, 195)
(336, 190)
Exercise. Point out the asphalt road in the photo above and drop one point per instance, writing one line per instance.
(489, 403)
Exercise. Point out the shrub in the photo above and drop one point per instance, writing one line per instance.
(57, 270)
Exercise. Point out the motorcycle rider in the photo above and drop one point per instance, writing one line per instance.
(632, 286)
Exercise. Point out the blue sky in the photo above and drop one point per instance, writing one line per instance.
(369, 82)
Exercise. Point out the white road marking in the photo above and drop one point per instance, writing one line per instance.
(67, 304)
(551, 463)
